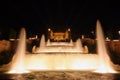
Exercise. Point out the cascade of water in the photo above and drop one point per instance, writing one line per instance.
(19, 57)
(59, 46)
(104, 60)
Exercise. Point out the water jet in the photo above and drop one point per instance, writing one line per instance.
(17, 65)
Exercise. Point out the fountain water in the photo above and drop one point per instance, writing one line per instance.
(86, 49)
(61, 61)
(42, 42)
(71, 42)
(104, 60)
(41, 45)
(19, 57)
(59, 46)
(79, 45)
(62, 56)
(48, 42)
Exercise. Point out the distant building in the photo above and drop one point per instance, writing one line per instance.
(59, 36)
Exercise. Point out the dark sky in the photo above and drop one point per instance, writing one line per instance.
(79, 15)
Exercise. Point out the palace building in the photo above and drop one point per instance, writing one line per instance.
(59, 36)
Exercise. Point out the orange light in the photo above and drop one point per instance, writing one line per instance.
(69, 29)
(48, 29)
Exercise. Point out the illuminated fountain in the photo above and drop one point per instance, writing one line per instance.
(42, 42)
(61, 61)
(17, 65)
(104, 59)
(79, 45)
(59, 46)
(61, 56)
(70, 60)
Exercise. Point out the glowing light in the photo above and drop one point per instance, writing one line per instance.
(49, 29)
(69, 29)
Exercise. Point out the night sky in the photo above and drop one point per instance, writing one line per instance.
(79, 15)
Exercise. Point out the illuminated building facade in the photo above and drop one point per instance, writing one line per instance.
(59, 36)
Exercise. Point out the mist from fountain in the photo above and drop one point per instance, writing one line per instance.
(17, 65)
(104, 59)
